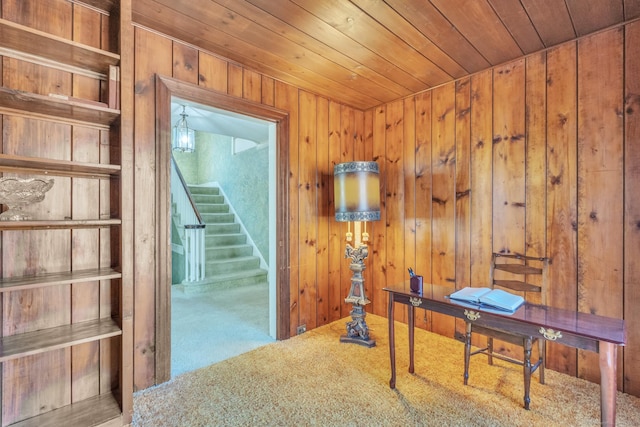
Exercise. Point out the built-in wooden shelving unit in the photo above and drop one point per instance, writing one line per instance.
(93, 317)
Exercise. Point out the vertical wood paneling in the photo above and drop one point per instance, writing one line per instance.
(600, 182)
(85, 253)
(324, 209)
(336, 229)
(409, 173)
(267, 88)
(307, 196)
(535, 158)
(252, 86)
(423, 195)
(394, 200)
(212, 72)
(85, 23)
(235, 79)
(145, 203)
(346, 155)
(378, 257)
(462, 190)
(443, 198)
(509, 165)
(562, 183)
(185, 63)
(632, 209)
(508, 158)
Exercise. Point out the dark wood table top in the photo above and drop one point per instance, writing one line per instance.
(593, 326)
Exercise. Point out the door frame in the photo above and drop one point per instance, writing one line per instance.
(166, 87)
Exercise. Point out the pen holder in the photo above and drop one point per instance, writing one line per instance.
(415, 284)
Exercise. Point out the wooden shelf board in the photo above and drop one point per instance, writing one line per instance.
(32, 104)
(39, 43)
(518, 269)
(54, 225)
(61, 278)
(12, 163)
(29, 343)
(93, 411)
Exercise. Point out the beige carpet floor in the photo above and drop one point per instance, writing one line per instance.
(314, 380)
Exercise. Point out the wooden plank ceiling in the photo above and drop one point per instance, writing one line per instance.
(365, 53)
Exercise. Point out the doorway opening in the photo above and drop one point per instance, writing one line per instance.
(276, 123)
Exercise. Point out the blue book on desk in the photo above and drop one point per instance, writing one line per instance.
(487, 298)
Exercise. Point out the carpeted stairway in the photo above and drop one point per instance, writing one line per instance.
(229, 258)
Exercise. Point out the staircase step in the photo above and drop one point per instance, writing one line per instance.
(225, 281)
(204, 190)
(210, 198)
(225, 239)
(231, 265)
(218, 218)
(222, 228)
(204, 200)
(227, 252)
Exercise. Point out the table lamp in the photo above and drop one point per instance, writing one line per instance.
(357, 200)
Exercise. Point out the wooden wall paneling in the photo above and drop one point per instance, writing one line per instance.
(347, 145)
(51, 16)
(462, 190)
(535, 154)
(363, 123)
(28, 77)
(481, 185)
(378, 255)
(394, 200)
(336, 229)
(509, 144)
(535, 162)
(235, 80)
(632, 209)
(509, 158)
(85, 23)
(600, 183)
(23, 395)
(185, 63)
(324, 210)
(423, 175)
(267, 87)
(363, 151)
(307, 209)
(410, 193)
(287, 99)
(562, 182)
(144, 178)
(85, 253)
(212, 72)
(443, 200)
(110, 290)
(251, 85)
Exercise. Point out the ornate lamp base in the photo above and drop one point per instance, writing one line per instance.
(357, 329)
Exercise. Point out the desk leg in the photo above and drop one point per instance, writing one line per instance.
(410, 324)
(608, 389)
(392, 342)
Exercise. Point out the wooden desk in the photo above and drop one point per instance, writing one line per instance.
(575, 329)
